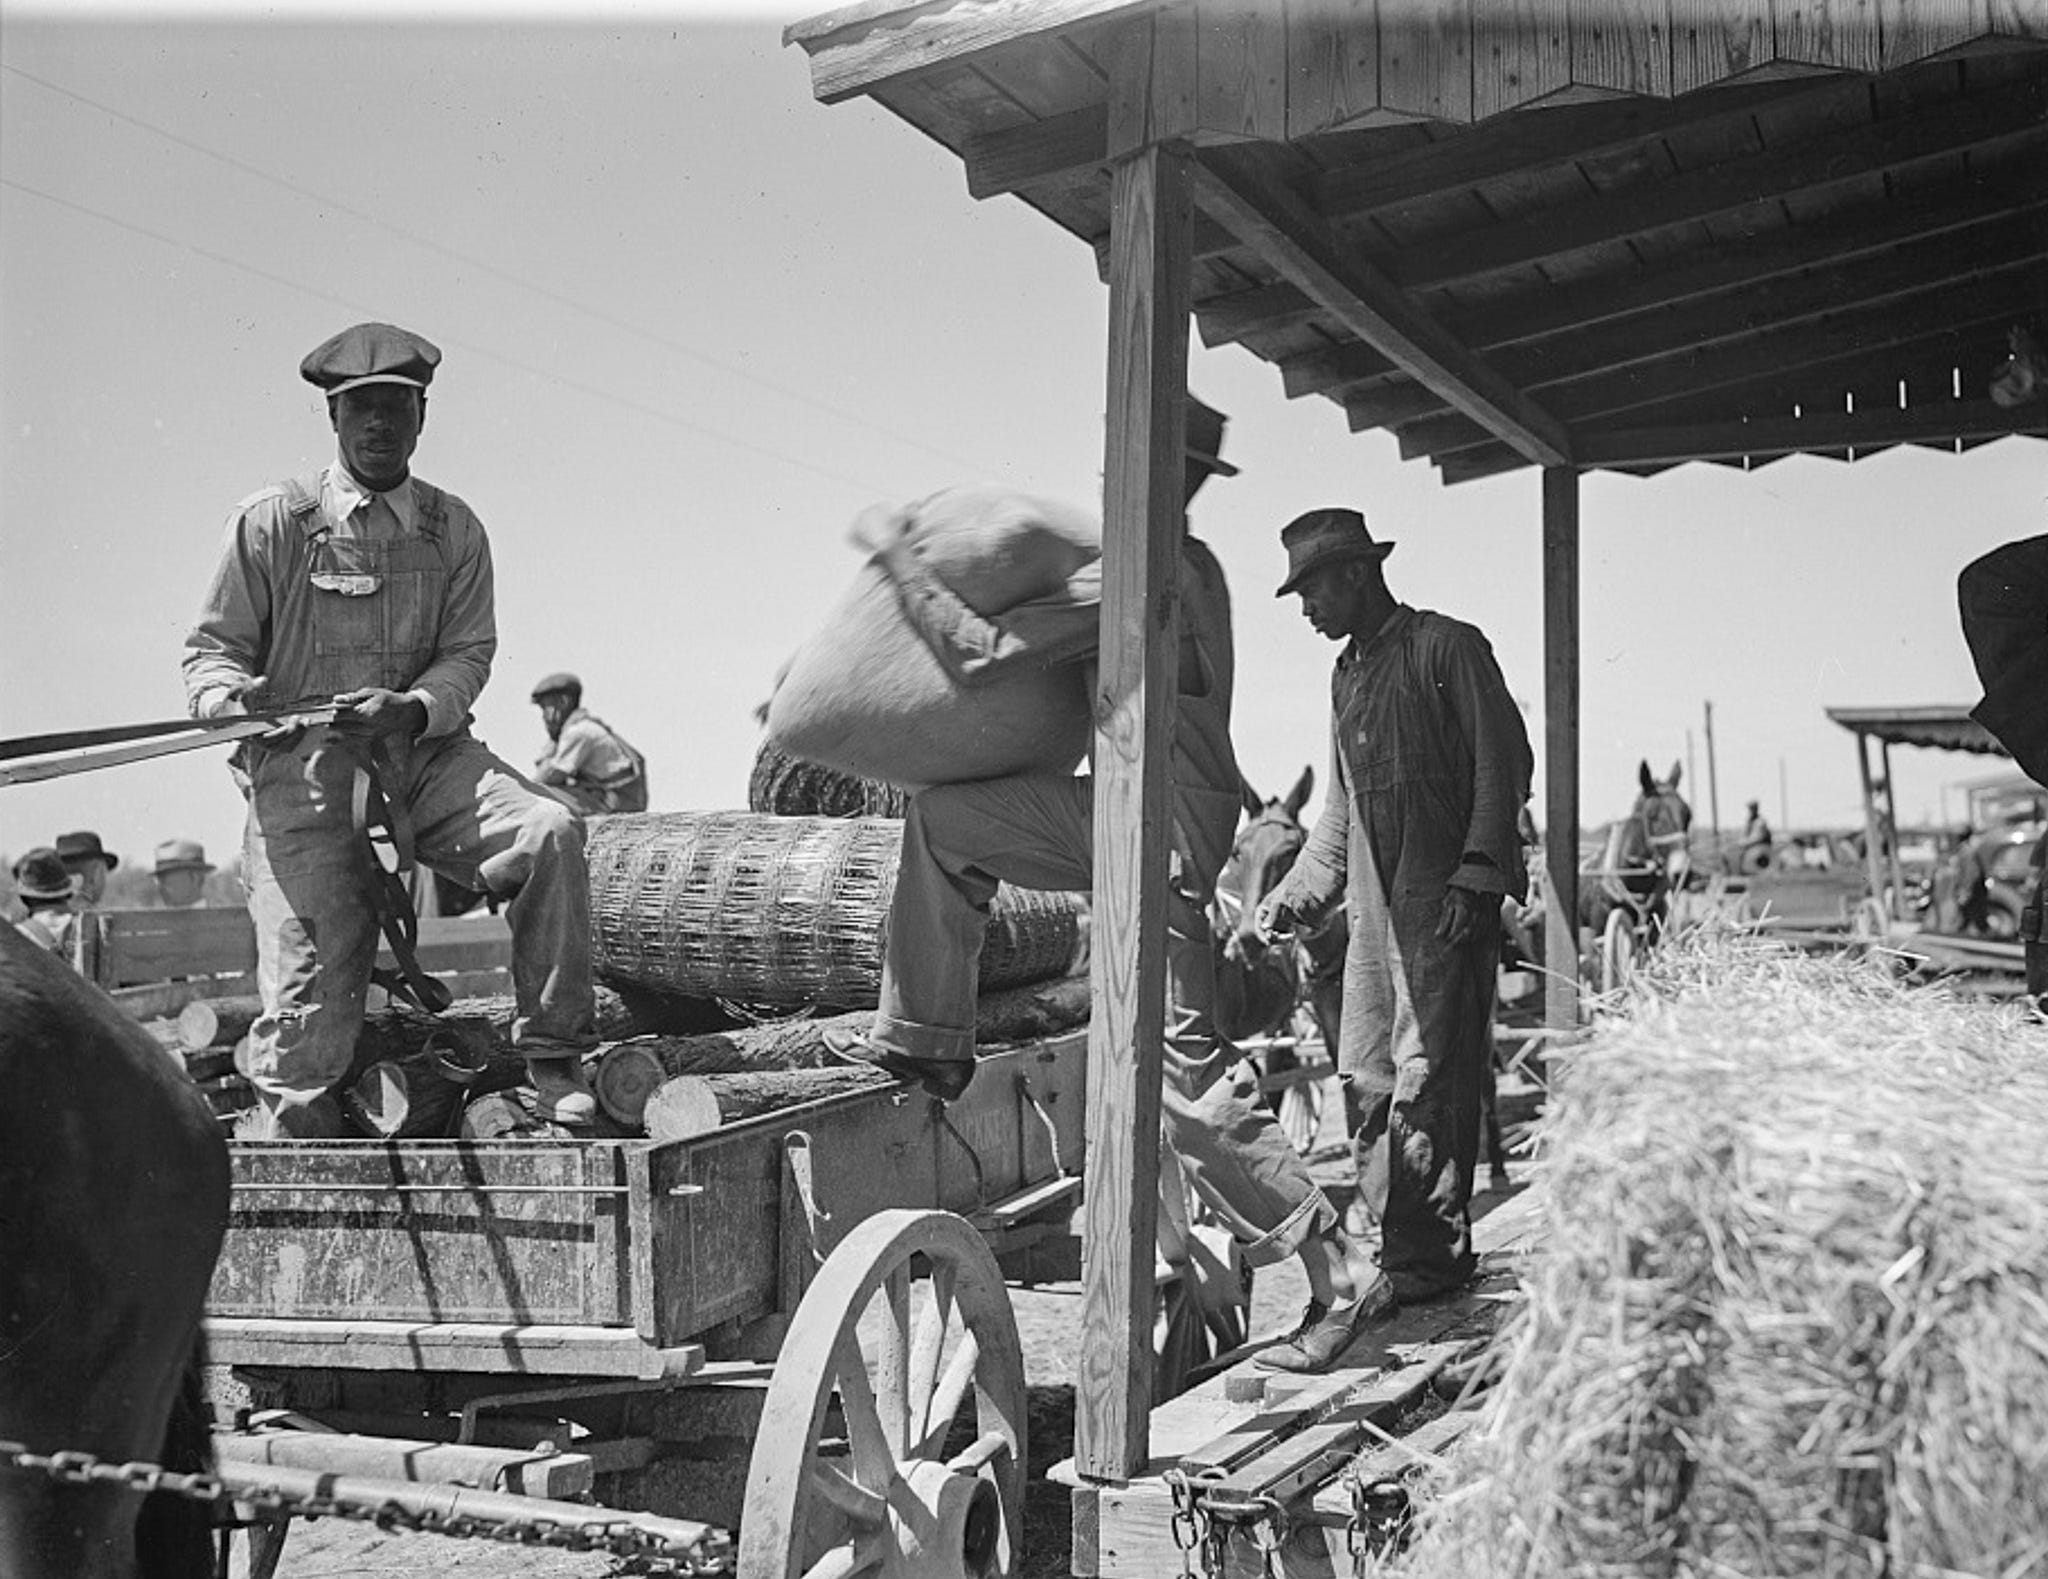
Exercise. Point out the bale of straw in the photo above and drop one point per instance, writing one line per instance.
(782, 912)
(1788, 1314)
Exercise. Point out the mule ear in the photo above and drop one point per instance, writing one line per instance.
(1249, 798)
(1643, 778)
(1675, 767)
(1298, 796)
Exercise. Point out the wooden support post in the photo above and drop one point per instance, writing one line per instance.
(1872, 872)
(1151, 225)
(1561, 745)
(1889, 827)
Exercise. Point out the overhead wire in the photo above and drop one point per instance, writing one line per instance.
(484, 266)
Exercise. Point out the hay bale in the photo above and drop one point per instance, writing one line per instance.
(1789, 1311)
(782, 912)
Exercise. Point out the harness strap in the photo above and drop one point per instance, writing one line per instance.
(386, 850)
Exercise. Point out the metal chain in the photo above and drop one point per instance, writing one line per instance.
(711, 1554)
(1189, 1524)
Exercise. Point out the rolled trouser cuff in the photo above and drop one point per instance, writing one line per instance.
(922, 1041)
(1313, 1218)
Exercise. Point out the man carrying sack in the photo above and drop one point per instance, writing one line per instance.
(366, 589)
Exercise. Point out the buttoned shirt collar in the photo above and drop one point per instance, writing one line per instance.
(343, 496)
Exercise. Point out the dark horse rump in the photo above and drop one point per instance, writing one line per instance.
(113, 1202)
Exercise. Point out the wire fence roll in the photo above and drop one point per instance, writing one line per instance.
(783, 911)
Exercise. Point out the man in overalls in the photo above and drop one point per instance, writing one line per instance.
(367, 589)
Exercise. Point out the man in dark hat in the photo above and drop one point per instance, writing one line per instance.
(364, 588)
(1420, 838)
(587, 761)
(87, 860)
(960, 840)
(49, 894)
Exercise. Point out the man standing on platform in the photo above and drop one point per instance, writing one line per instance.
(1420, 837)
(364, 589)
(961, 840)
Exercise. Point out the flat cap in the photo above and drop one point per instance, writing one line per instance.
(371, 353)
(558, 684)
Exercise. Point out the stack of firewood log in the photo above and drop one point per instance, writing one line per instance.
(458, 1075)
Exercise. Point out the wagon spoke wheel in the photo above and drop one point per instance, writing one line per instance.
(1301, 1104)
(1617, 951)
(892, 1438)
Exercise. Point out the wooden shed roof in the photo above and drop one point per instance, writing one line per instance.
(1937, 728)
(1612, 234)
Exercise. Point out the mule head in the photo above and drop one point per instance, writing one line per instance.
(1264, 853)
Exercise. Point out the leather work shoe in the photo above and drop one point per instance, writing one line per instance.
(1326, 1331)
(943, 1078)
(1419, 1287)
(561, 1094)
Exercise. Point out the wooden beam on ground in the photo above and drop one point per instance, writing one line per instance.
(1153, 215)
(1270, 220)
(1561, 746)
(1935, 422)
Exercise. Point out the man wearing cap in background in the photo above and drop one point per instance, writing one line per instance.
(587, 760)
(960, 840)
(87, 860)
(181, 869)
(1420, 837)
(49, 894)
(363, 588)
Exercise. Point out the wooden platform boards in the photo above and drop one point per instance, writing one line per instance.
(1260, 1441)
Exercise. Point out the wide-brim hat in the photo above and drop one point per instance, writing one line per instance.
(84, 846)
(1204, 437)
(1326, 537)
(178, 855)
(40, 874)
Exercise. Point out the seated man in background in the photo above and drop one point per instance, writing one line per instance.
(587, 761)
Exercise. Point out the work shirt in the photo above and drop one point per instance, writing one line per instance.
(322, 587)
(56, 928)
(588, 755)
(2003, 599)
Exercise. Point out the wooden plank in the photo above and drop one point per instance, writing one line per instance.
(157, 945)
(1426, 59)
(1838, 33)
(1333, 64)
(1241, 69)
(1911, 30)
(1259, 309)
(1825, 162)
(1521, 52)
(1860, 430)
(1621, 44)
(861, 48)
(1152, 83)
(1296, 243)
(1147, 384)
(1530, 143)
(521, 1471)
(363, 1343)
(1561, 664)
(1060, 148)
(1713, 40)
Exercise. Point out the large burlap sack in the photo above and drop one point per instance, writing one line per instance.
(866, 695)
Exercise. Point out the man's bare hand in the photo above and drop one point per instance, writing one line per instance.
(374, 713)
(1460, 915)
(1275, 918)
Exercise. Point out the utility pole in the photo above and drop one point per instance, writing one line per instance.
(1713, 784)
(1784, 803)
(1692, 768)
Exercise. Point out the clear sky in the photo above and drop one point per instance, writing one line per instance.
(694, 321)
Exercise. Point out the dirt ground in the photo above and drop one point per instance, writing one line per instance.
(1049, 1321)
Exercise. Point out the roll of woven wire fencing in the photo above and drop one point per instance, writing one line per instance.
(782, 913)
(788, 786)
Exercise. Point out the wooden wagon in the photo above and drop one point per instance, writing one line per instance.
(663, 1325)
